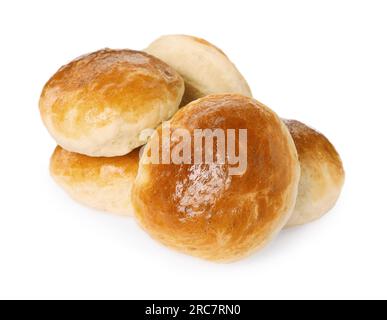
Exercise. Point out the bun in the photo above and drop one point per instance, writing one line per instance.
(205, 68)
(98, 104)
(322, 174)
(203, 210)
(101, 183)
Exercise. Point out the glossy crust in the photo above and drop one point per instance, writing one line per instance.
(101, 183)
(204, 67)
(98, 104)
(202, 210)
(322, 174)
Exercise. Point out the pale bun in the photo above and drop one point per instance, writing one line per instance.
(322, 174)
(202, 210)
(97, 182)
(205, 68)
(99, 104)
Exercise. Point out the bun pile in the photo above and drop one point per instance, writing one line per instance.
(102, 107)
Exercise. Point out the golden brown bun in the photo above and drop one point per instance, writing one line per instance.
(203, 211)
(101, 183)
(205, 68)
(322, 174)
(98, 104)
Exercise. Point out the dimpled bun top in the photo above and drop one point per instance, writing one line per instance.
(98, 104)
(322, 174)
(97, 182)
(205, 68)
(203, 210)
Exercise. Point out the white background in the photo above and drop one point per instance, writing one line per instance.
(321, 62)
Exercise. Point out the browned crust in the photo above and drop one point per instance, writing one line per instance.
(77, 168)
(125, 82)
(201, 210)
(314, 148)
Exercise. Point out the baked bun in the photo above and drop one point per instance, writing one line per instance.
(199, 208)
(205, 68)
(101, 183)
(322, 174)
(98, 104)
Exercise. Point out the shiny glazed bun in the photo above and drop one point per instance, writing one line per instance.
(98, 104)
(322, 174)
(205, 68)
(101, 183)
(203, 210)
